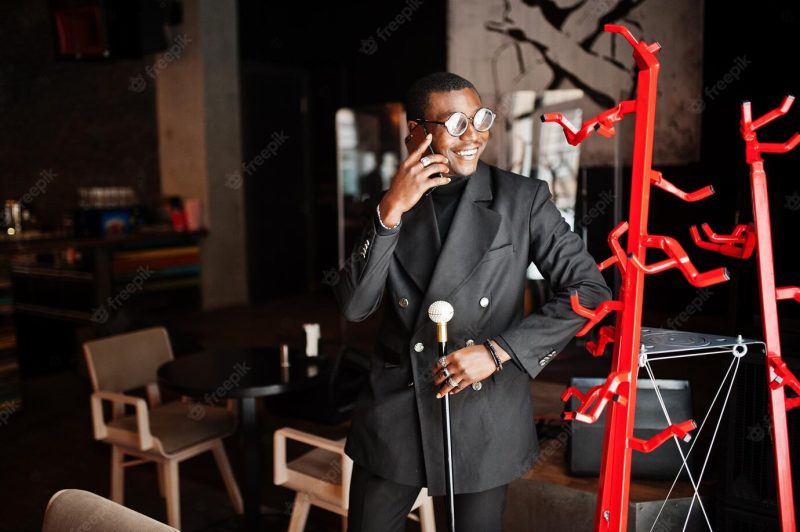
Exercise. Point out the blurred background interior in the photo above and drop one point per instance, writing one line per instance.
(206, 166)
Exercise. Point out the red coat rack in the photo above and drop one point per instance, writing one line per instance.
(618, 393)
(740, 244)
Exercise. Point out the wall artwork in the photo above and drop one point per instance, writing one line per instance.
(505, 46)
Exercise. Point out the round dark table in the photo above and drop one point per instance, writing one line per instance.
(243, 374)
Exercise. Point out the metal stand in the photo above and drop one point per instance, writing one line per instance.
(619, 390)
(740, 244)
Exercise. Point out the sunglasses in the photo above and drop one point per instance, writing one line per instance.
(458, 122)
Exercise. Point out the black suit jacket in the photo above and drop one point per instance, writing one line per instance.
(503, 222)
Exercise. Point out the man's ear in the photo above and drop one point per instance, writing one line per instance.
(411, 125)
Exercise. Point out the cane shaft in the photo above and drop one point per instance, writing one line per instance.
(441, 332)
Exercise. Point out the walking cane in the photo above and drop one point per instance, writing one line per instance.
(440, 312)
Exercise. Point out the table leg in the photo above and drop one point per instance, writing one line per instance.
(252, 472)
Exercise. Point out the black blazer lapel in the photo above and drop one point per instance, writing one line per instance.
(419, 245)
(471, 234)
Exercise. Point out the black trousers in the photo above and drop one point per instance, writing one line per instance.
(380, 505)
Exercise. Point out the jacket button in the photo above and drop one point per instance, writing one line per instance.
(484, 302)
(411, 384)
(418, 347)
(543, 362)
(477, 386)
(403, 302)
(470, 342)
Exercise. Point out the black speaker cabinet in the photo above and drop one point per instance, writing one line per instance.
(586, 444)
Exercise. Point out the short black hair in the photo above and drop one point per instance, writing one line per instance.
(416, 100)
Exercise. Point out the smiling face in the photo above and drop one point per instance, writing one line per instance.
(464, 151)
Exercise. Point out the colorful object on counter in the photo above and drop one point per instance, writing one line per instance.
(194, 214)
(105, 211)
(173, 207)
(164, 262)
(115, 222)
(103, 222)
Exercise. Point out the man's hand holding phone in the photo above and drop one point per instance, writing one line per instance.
(412, 181)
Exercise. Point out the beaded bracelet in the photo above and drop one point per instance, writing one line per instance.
(497, 363)
(380, 220)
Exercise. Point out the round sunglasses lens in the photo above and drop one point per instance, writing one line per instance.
(457, 124)
(483, 120)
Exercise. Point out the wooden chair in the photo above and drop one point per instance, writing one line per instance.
(321, 477)
(166, 434)
(71, 510)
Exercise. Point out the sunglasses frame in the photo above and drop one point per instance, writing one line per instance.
(469, 119)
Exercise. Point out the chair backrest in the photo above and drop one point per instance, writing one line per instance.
(70, 510)
(127, 361)
(323, 473)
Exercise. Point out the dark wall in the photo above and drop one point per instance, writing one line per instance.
(765, 38)
(330, 42)
(82, 120)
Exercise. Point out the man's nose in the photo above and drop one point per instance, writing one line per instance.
(471, 133)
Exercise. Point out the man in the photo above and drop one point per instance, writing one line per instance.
(469, 242)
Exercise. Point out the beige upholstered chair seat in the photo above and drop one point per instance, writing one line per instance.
(318, 470)
(319, 464)
(178, 425)
(73, 510)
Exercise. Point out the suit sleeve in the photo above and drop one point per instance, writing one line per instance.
(562, 259)
(361, 281)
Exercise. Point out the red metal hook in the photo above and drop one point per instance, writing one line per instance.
(681, 430)
(749, 127)
(678, 259)
(739, 244)
(658, 180)
(643, 53)
(604, 337)
(594, 401)
(784, 377)
(602, 123)
(619, 258)
(788, 292)
(594, 316)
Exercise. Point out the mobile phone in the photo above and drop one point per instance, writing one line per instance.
(415, 138)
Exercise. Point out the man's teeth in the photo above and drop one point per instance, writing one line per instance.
(467, 153)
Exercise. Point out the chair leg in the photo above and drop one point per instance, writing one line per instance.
(117, 475)
(300, 509)
(427, 519)
(162, 489)
(172, 488)
(227, 476)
